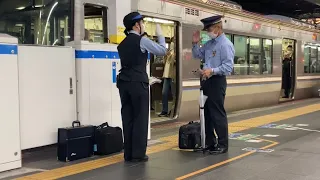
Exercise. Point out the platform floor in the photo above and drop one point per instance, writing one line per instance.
(286, 139)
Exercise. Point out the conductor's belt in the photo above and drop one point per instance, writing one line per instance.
(135, 68)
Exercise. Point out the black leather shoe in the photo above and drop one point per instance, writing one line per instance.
(163, 114)
(218, 150)
(144, 159)
(208, 148)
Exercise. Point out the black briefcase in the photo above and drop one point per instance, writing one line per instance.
(108, 139)
(75, 142)
(190, 136)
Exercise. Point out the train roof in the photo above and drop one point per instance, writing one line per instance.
(234, 9)
(289, 8)
(291, 20)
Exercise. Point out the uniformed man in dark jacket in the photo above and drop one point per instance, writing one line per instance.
(133, 85)
(286, 72)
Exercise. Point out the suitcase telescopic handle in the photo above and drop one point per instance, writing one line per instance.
(103, 125)
(76, 122)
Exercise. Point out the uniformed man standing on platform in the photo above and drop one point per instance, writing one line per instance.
(218, 54)
(133, 85)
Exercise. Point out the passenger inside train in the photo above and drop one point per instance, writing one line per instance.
(288, 66)
(286, 71)
(169, 74)
(162, 95)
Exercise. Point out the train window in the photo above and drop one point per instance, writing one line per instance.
(204, 37)
(95, 23)
(38, 21)
(254, 56)
(240, 58)
(313, 59)
(307, 59)
(228, 36)
(267, 56)
(318, 62)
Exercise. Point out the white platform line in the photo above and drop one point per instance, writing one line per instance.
(21, 171)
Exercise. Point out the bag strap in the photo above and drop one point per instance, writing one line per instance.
(76, 122)
(103, 125)
(191, 122)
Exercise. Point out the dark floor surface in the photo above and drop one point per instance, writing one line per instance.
(295, 153)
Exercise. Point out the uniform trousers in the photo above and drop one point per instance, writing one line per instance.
(214, 112)
(135, 117)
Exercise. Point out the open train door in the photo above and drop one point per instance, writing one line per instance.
(167, 92)
(288, 80)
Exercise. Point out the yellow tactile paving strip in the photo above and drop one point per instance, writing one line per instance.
(170, 142)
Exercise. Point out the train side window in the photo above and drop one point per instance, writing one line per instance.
(313, 59)
(254, 56)
(267, 56)
(307, 59)
(240, 58)
(95, 23)
(37, 22)
(318, 61)
(229, 37)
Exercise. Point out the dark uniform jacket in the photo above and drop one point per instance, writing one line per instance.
(133, 61)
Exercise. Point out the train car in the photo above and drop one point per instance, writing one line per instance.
(67, 61)
(259, 42)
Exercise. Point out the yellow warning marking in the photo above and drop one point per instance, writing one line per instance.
(170, 142)
(225, 162)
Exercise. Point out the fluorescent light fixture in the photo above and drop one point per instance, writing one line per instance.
(158, 20)
(39, 25)
(268, 42)
(37, 6)
(254, 42)
(20, 8)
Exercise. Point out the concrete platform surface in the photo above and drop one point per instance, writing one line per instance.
(274, 143)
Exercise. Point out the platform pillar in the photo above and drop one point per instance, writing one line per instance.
(117, 11)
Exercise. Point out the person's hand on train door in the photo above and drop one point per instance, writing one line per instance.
(158, 30)
(196, 37)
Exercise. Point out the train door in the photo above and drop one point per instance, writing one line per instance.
(163, 96)
(288, 69)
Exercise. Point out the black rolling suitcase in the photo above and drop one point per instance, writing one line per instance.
(190, 136)
(75, 142)
(108, 139)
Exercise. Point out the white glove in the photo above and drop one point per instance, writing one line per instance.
(153, 80)
(158, 30)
